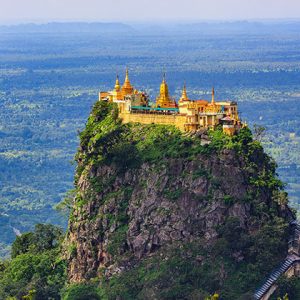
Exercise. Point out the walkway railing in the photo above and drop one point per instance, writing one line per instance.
(274, 276)
(294, 256)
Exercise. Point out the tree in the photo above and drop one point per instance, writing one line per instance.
(44, 237)
(281, 197)
(259, 132)
(30, 296)
(21, 244)
(36, 270)
(81, 292)
(65, 205)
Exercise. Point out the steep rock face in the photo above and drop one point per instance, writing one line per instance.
(166, 203)
(125, 215)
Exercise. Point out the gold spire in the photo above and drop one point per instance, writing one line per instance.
(164, 90)
(126, 76)
(213, 96)
(184, 94)
(164, 77)
(127, 88)
(117, 84)
(163, 99)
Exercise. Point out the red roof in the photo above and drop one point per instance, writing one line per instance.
(201, 101)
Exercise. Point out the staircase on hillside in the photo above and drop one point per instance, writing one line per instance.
(274, 276)
(293, 256)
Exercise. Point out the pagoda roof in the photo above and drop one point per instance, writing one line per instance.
(201, 101)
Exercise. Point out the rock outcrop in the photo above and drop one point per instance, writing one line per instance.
(130, 208)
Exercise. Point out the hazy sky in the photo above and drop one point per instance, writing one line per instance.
(146, 10)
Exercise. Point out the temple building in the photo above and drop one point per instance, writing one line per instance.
(164, 100)
(125, 94)
(187, 114)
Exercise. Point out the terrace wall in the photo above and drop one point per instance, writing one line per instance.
(150, 118)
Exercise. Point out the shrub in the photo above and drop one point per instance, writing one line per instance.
(81, 292)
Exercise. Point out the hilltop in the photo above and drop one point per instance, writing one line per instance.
(162, 214)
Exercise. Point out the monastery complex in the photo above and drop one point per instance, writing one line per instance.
(187, 114)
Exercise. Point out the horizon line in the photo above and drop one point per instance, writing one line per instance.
(150, 22)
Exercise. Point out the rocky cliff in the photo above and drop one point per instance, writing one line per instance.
(162, 215)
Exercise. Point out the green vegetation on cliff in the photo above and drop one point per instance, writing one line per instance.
(233, 262)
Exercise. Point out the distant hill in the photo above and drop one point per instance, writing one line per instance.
(68, 27)
(218, 27)
(213, 27)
